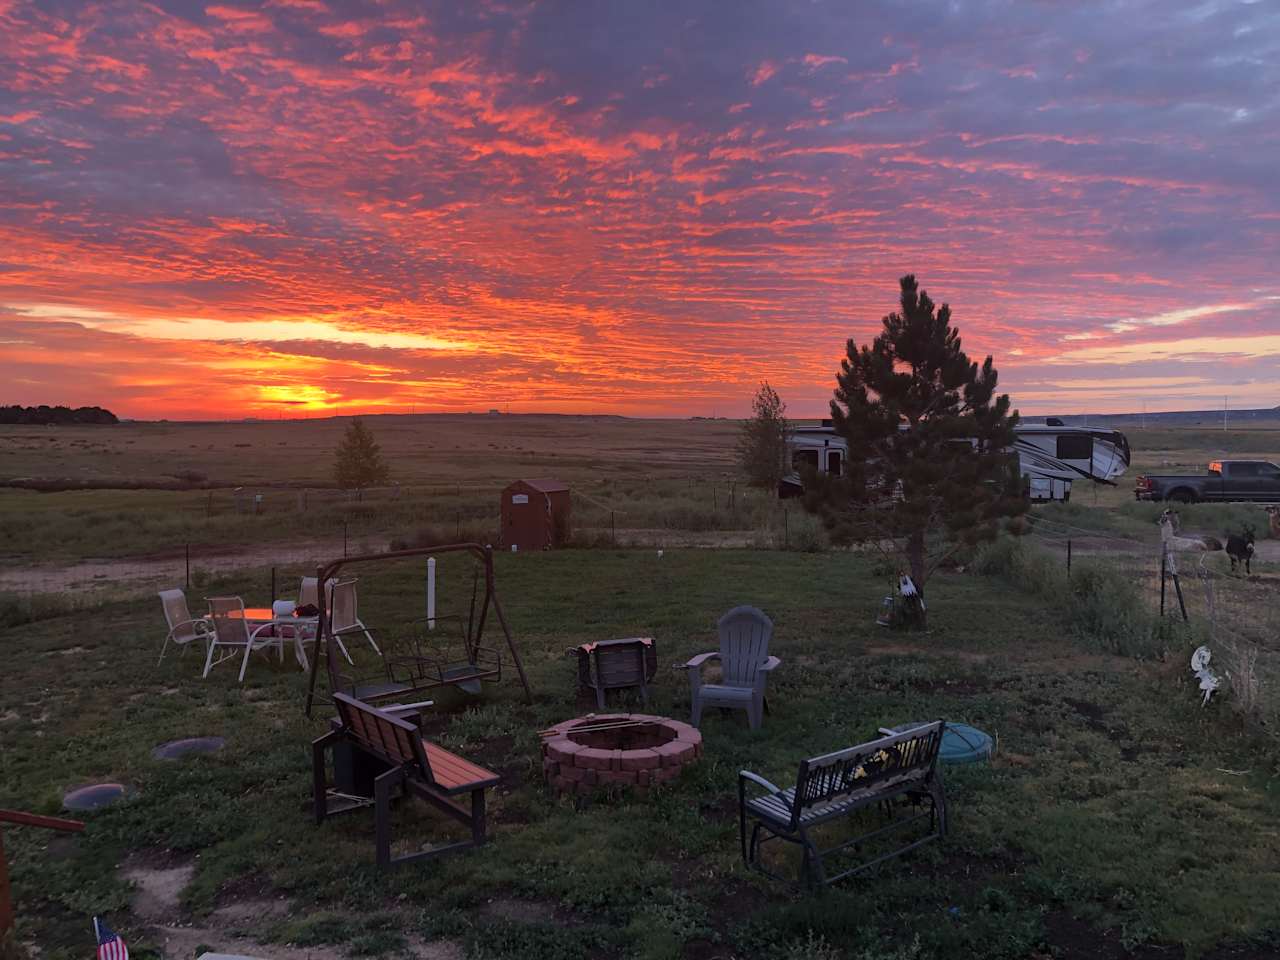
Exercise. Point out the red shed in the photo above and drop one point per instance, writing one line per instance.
(535, 515)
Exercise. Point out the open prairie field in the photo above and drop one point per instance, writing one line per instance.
(135, 500)
(662, 483)
(422, 450)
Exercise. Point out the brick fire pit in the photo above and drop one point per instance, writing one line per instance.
(633, 750)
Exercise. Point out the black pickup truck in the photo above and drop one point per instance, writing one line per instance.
(1255, 480)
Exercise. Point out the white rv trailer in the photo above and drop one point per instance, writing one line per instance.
(1050, 456)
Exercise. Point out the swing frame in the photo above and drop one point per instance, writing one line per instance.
(484, 660)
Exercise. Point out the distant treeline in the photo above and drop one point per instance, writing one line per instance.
(43, 415)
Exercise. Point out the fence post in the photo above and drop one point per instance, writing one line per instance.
(1164, 554)
(273, 586)
(1068, 558)
(188, 555)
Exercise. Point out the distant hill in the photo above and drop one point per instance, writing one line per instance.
(43, 415)
(1169, 417)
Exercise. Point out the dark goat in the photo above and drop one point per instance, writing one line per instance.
(1240, 547)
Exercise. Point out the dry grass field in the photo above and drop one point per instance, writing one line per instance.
(422, 450)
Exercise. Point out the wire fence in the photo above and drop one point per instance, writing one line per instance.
(1234, 612)
(135, 543)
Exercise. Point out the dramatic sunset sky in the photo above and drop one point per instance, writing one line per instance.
(300, 206)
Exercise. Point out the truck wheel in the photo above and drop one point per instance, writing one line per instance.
(1183, 496)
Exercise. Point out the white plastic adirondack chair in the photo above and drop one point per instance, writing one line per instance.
(745, 666)
(231, 629)
(183, 628)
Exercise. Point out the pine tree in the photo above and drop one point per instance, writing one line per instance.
(929, 464)
(360, 463)
(762, 445)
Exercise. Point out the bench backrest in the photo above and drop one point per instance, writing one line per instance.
(910, 755)
(389, 738)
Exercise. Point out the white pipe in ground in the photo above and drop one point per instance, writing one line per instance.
(431, 593)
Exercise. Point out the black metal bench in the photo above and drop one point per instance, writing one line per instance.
(836, 785)
(430, 772)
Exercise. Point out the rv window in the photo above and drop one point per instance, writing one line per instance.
(803, 458)
(1075, 446)
(833, 462)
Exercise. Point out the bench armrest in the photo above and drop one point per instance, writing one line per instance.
(758, 780)
(395, 709)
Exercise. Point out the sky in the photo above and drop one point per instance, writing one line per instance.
(303, 207)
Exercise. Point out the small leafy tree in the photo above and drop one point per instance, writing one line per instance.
(360, 463)
(929, 464)
(762, 445)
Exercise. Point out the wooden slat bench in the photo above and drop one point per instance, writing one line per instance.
(433, 773)
(838, 784)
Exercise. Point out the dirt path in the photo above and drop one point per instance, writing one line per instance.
(155, 571)
(133, 574)
(158, 892)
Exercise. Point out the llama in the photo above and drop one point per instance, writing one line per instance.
(1240, 547)
(1273, 521)
(1191, 543)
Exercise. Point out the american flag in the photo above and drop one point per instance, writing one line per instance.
(110, 946)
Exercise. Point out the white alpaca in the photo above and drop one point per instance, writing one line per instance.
(1273, 521)
(1191, 543)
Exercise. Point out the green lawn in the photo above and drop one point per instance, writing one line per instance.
(1119, 815)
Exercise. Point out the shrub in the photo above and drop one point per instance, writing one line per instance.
(18, 609)
(1099, 605)
(437, 535)
(808, 536)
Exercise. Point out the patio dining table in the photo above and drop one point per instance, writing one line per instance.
(264, 619)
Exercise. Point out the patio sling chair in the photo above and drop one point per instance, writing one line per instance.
(231, 629)
(745, 665)
(308, 595)
(183, 628)
(343, 619)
